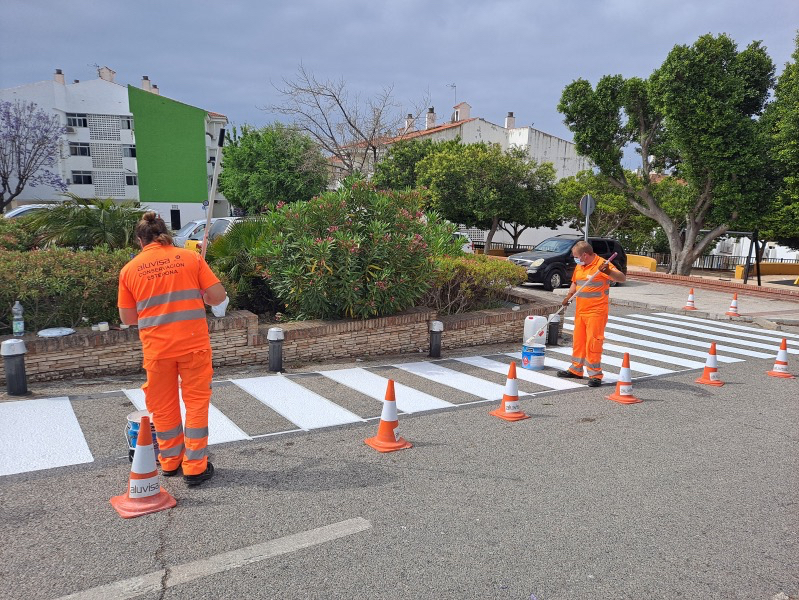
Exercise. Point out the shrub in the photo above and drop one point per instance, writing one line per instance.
(471, 282)
(16, 234)
(356, 252)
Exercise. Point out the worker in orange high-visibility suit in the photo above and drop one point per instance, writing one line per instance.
(591, 315)
(164, 290)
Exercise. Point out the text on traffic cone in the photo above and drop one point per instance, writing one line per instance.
(509, 407)
(781, 364)
(388, 438)
(710, 374)
(624, 386)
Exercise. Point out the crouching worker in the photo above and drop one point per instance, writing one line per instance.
(591, 314)
(164, 290)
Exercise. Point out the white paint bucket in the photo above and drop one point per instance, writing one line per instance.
(533, 357)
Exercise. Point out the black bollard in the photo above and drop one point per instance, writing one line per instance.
(436, 327)
(13, 352)
(275, 337)
(552, 330)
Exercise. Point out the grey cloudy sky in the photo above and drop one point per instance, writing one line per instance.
(503, 55)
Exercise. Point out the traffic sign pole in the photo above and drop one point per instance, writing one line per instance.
(212, 191)
(587, 206)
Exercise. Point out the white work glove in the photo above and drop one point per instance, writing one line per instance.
(219, 309)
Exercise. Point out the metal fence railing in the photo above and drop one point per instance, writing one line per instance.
(715, 262)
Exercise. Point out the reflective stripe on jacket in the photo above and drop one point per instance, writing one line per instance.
(595, 296)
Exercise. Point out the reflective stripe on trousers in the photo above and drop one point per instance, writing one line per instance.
(588, 339)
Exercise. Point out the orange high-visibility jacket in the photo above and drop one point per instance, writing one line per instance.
(165, 285)
(595, 297)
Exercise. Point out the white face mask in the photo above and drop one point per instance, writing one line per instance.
(577, 261)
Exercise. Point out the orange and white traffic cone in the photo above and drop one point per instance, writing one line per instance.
(733, 310)
(624, 386)
(690, 304)
(509, 409)
(387, 438)
(144, 495)
(781, 364)
(710, 374)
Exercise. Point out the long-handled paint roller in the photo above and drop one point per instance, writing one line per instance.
(212, 191)
(579, 289)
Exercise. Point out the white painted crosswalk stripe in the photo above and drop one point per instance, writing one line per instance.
(40, 434)
(521, 373)
(220, 428)
(299, 405)
(370, 384)
(455, 379)
(562, 365)
(778, 334)
(616, 362)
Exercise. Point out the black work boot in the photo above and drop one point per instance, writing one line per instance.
(569, 375)
(192, 480)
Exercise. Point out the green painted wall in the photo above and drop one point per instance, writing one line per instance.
(170, 148)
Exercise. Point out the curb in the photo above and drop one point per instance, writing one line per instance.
(703, 283)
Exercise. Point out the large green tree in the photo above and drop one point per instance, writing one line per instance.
(397, 170)
(695, 117)
(782, 124)
(267, 165)
(479, 185)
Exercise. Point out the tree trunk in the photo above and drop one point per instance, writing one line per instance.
(491, 232)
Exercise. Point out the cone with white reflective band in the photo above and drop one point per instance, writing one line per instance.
(624, 386)
(690, 304)
(388, 438)
(509, 408)
(144, 495)
(733, 310)
(710, 374)
(781, 364)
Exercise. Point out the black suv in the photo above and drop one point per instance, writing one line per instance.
(552, 264)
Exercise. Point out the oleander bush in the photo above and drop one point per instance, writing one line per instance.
(16, 234)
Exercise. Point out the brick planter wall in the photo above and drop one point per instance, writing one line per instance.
(239, 339)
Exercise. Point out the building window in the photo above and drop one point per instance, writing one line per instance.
(77, 120)
(129, 151)
(131, 180)
(125, 122)
(79, 149)
(82, 177)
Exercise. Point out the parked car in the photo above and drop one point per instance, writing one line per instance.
(467, 245)
(552, 264)
(219, 226)
(188, 230)
(26, 210)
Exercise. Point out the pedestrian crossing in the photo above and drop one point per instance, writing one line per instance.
(53, 432)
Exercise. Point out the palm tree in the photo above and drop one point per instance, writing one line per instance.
(86, 223)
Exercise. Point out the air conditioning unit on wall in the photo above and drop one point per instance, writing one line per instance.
(70, 130)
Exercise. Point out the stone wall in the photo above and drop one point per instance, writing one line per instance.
(239, 339)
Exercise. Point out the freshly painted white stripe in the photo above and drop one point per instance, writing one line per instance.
(682, 340)
(702, 334)
(616, 362)
(299, 405)
(151, 583)
(455, 379)
(719, 328)
(373, 385)
(563, 365)
(536, 377)
(220, 428)
(40, 434)
(778, 334)
(669, 348)
(674, 360)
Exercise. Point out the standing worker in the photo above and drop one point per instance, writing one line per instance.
(164, 290)
(591, 315)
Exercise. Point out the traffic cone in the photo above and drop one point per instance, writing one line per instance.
(733, 310)
(509, 409)
(624, 386)
(690, 304)
(710, 374)
(387, 438)
(781, 364)
(144, 494)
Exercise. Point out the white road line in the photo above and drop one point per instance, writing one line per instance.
(682, 340)
(301, 406)
(150, 583)
(536, 377)
(616, 362)
(778, 334)
(563, 365)
(455, 379)
(373, 385)
(718, 328)
(40, 434)
(220, 428)
(706, 335)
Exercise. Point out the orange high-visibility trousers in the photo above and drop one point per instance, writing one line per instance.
(588, 338)
(178, 444)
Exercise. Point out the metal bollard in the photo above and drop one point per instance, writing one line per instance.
(13, 352)
(436, 327)
(552, 330)
(275, 337)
